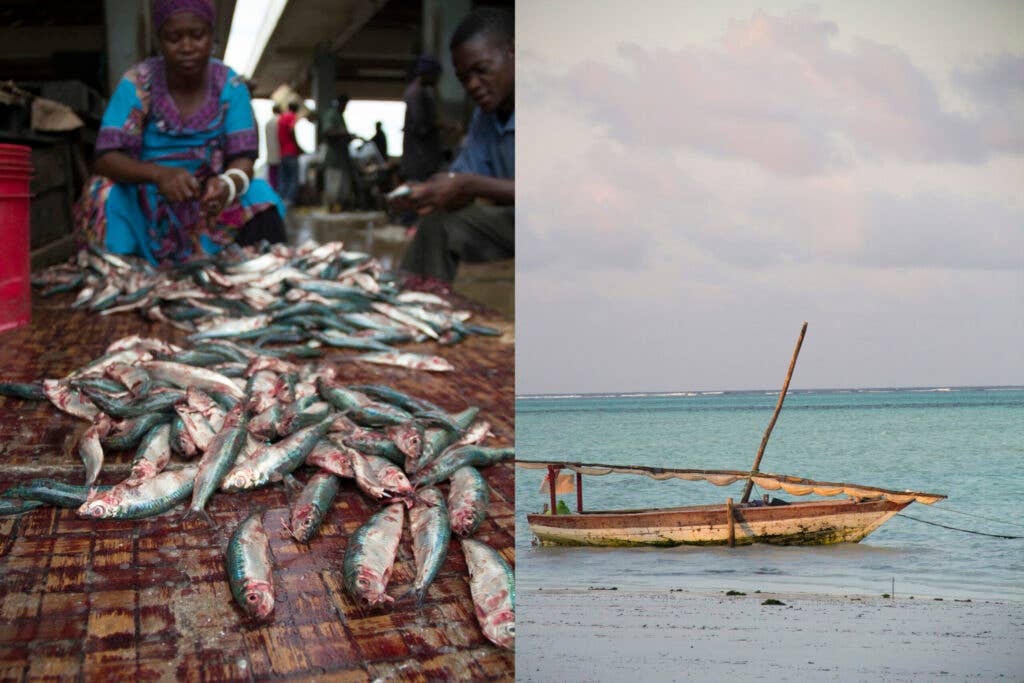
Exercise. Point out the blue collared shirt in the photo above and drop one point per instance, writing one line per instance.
(490, 147)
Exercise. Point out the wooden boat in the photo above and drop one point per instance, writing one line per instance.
(779, 522)
(767, 521)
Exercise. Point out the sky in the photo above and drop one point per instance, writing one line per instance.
(696, 179)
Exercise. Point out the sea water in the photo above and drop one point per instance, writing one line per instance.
(965, 443)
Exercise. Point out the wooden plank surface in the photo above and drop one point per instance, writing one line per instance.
(85, 599)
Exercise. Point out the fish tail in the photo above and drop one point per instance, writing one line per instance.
(201, 512)
(417, 595)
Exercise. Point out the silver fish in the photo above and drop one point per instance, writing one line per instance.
(249, 569)
(414, 361)
(454, 458)
(217, 461)
(370, 556)
(468, 499)
(147, 499)
(332, 457)
(312, 504)
(91, 451)
(493, 587)
(428, 522)
(272, 462)
(71, 401)
(153, 454)
(185, 376)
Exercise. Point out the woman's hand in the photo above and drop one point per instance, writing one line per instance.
(215, 198)
(177, 184)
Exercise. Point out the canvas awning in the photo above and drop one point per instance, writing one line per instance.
(796, 486)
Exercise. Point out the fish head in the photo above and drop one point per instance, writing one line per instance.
(240, 479)
(97, 508)
(500, 628)
(462, 520)
(370, 587)
(394, 480)
(408, 437)
(258, 598)
(304, 521)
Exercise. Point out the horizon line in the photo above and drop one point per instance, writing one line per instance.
(950, 387)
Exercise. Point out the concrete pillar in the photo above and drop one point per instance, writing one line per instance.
(323, 79)
(440, 17)
(128, 36)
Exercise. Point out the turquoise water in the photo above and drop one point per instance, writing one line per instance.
(966, 443)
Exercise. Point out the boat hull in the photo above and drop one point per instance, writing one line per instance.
(806, 523)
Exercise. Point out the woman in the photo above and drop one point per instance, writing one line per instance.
(176, 150)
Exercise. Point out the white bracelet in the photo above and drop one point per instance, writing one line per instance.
(231, 188)
(243, 176)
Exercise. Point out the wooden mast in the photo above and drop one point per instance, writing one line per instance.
(778, 407)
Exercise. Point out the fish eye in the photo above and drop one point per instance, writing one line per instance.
(252, 597)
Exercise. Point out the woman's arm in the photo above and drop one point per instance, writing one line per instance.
(176, 184)
(215, 197)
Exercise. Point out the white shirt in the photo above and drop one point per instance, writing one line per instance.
(270, 137)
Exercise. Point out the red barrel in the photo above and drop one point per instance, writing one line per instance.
(15, 292)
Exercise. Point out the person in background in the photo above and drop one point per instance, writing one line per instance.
(453, 227)
(380, 140)
(288, 146)
(338, 169)
(273, 146)
(175, 152)
(421, 136)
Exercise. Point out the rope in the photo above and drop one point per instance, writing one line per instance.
(966, 531)
(946, 508)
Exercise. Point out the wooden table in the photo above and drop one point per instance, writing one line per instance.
(82, 599)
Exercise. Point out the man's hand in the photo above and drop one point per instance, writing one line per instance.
(442, 191)
(177, 184)
(215, 198)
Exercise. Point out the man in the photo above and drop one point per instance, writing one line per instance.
(380, 140)
(453, 229)
(338, 171)
(290, 150)
(273, 147)
(421, 136)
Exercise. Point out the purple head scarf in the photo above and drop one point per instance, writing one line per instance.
(165, 9)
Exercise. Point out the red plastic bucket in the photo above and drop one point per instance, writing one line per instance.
(15, 292)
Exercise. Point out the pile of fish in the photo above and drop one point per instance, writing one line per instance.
(222, 417)
(311, 295)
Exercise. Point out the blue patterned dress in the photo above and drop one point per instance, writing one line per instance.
(143, 122)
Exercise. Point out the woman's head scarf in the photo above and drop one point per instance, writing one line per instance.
(165, 9)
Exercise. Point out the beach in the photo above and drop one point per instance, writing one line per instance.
(674, 635)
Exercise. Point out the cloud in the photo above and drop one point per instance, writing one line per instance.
(941, 231)
(777, 92)
(626, 209)
(596, 208)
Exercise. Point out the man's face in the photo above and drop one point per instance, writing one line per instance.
(485, 65)
(186, 42)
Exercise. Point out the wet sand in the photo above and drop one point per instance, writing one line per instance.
(616, 635)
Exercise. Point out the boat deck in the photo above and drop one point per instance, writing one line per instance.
(147, 600)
